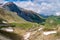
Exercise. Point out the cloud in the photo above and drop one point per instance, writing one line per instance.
(57, 14)
(46, 7)
(28, 5)
(16, 0)
(1, 1)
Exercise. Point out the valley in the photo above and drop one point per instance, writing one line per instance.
(21, 24)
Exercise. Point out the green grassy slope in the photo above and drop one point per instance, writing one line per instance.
(52, 23)
(10, 16)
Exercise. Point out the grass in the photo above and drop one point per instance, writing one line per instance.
(57, 35)
(51, 23)
(10, 16)
(25, 25)
(48, 29)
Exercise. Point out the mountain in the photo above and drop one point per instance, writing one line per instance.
(25, 14)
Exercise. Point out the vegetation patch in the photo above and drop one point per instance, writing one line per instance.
(25, 25)
(51, 23)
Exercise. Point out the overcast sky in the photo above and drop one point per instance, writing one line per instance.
(46, 7)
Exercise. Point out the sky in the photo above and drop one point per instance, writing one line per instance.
(46, 7)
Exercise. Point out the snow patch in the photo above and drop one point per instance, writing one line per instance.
(4, 22)
(27, 35)
(49, 32)
(9, 29)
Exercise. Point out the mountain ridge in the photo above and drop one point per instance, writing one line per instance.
(25, 14)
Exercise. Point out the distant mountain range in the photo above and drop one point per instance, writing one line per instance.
(28, 15)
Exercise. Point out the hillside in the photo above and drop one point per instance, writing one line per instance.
(10, 17)
(13, 19)
(52, 23)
